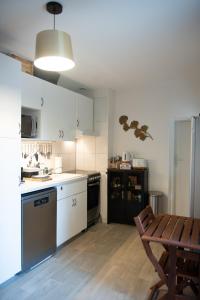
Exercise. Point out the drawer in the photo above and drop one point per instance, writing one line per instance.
(68, 189)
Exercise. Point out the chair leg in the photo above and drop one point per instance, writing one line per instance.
(181, 284)
(153, 294)
(157, 285)
(154, 290)
(194, 288)
(199, 281)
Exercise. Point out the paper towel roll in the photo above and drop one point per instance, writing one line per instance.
(58, 165)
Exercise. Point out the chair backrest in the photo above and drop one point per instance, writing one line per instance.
(144, 219)
(142, 222)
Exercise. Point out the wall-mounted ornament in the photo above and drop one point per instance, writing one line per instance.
(140, 132)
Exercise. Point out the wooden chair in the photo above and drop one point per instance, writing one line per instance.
(188, 263)
(142, 221)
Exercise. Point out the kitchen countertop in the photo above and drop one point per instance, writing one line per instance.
(31, 186)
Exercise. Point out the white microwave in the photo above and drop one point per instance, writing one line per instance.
(29, 126)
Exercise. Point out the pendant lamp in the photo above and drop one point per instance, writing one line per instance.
(53, 47)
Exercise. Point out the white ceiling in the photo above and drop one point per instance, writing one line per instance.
(116, 43)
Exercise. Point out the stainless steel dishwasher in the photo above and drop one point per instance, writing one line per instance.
(38, 226)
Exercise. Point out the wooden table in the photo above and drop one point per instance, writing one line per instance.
(174, 231)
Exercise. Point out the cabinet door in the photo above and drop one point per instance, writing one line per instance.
(10, 212)
(67, 114)
(31, 92)
(71, 216)
(58, 113)
(84, 113)
(116, 200)
(50, 118)
(134, 195)
(80, 213)
(10, 97)
(64, 219)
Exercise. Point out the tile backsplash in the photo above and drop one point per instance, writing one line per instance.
(42, 153)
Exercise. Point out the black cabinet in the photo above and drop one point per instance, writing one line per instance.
(127, 194)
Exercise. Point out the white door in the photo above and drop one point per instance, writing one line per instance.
(10, 208)
(31, 92)
(84, 113)
(182, 167)
(10, 97)
(195, 168)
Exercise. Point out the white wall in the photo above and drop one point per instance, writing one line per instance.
(93, 152)
(158, 107)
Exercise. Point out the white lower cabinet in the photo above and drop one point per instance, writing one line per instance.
(71, 212)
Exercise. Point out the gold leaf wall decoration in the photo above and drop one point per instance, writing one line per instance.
(140, 133)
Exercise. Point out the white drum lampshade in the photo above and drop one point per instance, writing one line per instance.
(53, 51)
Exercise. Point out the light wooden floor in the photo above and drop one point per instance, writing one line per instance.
(105, 263)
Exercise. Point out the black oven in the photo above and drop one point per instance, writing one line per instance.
(93, 198)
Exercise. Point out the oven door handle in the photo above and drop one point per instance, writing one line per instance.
(93, 184)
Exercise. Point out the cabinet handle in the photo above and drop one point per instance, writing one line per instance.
(77, 123)
(19, 178)
(42, 101)
(73, 202)
(122, 195)
(61, 188)
(19, 128)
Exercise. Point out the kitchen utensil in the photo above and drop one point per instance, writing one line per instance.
(41, 178)
(126, 156)
(58, 165)
(48, 151)
(29, 172)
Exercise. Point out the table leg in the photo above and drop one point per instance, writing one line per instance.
(172, 274)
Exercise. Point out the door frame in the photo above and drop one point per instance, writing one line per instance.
(171, 188)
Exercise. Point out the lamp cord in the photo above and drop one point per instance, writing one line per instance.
(54, 21)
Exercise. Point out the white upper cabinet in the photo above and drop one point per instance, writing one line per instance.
(61, 111)
(31, 92)
(10, 97)
(57, 107)
(58, 117)
(67, 114)
(84, 114)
